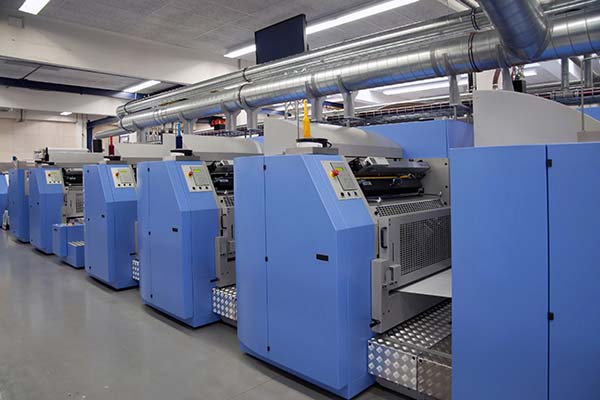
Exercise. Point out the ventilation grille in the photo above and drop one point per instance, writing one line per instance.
(406, 208)
(423, 243)
(227, 201)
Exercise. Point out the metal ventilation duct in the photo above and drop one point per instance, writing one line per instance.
(573, 33)
(521, 24)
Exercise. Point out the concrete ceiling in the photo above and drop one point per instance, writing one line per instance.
(219, 25)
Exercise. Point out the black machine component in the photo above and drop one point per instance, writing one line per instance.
(72, 176)
(222, 176)
(390, 178)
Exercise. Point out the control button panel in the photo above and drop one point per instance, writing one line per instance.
(123, 177)
(54, 177)
(342, 180)
(197, 178)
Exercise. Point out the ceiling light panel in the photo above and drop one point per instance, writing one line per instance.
(33, 6)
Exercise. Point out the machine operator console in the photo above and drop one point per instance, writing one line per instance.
(342, 180)
(123, 177)
(54, 177)
(197, 178)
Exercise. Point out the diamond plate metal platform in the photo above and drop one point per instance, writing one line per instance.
(225, 302)
(135, 270)
(416, 355)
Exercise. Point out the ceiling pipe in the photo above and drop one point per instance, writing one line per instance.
(521, 24)
(572, 33)
(452, 23)
(459, 22)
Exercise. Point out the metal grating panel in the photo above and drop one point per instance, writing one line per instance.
(135, 270)
(225, 302)
(424, 243)
(417, 354)
(228, 201)
(79, 203)
(406, 208)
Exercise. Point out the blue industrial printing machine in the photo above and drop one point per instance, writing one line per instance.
(56, 202)
(185, 230)
(4, 199)
(18, 201)
(526, 273)
(110, 213)
(331, 243)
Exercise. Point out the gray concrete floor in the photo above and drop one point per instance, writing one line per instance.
(65, 336)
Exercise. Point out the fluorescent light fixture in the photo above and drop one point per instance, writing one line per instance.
(337, 21)
(529, 73)
(357, 15)
(423, 86)
(33, 6)
(66, 113)
(141, 86)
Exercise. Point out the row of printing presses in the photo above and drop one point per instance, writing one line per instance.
(332, 255)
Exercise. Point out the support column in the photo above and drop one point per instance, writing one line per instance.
(507, 83)
(251, 118)
(588, 71)
(348, 99)
(454, 91)
(316, 108)
(565, 74)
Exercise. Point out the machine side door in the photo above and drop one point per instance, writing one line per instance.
(499, 273)
(574, 222)
(303, 289)
(171, 275)
(96, 197)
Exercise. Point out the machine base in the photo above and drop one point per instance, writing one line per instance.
(225, 302)
(348, 392)
(415, 357)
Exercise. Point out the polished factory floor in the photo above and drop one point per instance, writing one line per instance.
(65, 336)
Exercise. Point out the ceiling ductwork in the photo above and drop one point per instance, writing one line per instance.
(574, 33)
(521, 24)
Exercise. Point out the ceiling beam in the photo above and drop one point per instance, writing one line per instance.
(56, 87)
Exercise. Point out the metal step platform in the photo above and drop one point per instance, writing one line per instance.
(415, 358)
(225, 302)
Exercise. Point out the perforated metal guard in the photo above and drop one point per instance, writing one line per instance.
(225, 302)
(79, 203)
(135, 270)
(423, 243)
(417, 354)
(228, 201)
(389, 210)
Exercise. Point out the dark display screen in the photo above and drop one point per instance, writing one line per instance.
(281, 40)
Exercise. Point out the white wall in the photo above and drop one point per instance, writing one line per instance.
(22, 138)
(47, 41)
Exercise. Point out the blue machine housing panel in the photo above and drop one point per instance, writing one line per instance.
(63, 235)
(177, 231)
(573, 195)
(319, 251)
(18, 206)
(427, 139)
(110, 215)
(3, 194)
(500, 273)
(45, 207)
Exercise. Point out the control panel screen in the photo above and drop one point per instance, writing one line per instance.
(123, 177)
(200, 179)
(344, 176)
(54, 177)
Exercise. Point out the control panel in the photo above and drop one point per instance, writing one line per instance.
(54, 177)
(197, 178)
(342, 180)
(123, 177)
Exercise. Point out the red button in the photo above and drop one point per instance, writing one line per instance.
(116, 174)
(190, 174)
(334, 173)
